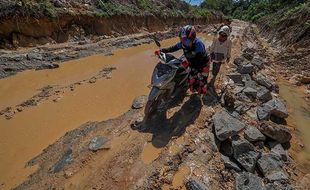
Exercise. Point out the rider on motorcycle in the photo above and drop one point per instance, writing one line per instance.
(195, 52)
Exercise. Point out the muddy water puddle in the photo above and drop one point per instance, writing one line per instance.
(150, 153)
(299, 118)
(178, 179)
(29, 132)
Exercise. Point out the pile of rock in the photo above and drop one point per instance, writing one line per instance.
(249, 134)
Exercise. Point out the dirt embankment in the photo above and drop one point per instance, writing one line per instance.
(27, 23)
(29, 31)
(289, 33)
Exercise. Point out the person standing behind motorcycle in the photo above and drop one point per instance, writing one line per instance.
(220, 51)
(194, 51)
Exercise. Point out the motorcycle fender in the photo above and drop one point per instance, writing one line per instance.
(155, 92)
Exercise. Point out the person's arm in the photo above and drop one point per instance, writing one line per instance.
(174, 48)
(201, 54)
(212, 47)
(229, 51)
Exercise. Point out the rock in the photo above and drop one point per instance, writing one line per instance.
(259, 63)
(195, 184)
(305, 79)
(248, 181)
(264, 81)
(277, 176)
(271, 167)
(66, 159)
(214, 141)
(263, 94)
(236, 77)
(246, 69)
(263, 112)
(139, 102)
(279, 186)
(276, 132)
(279, 109)
(250, 83)
(35, 56)
(229, 164)
(47, 66)
(250, 92)
(14, 57)
(245, 154)
(226, 148)
(248, 53)
(92, 80)
(278, 149)
(97, 143)
(226, 126)
(239, 61)
(252, 134)
(274, 107)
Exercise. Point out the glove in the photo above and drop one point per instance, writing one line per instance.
(157, 52)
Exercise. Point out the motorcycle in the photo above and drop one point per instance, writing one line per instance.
(169, 80)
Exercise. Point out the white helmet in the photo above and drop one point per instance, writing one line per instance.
(225, 30)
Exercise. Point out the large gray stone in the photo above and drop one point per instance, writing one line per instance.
(245, 154)
(239, 61)
(278, 149)
(230, 164)
(274, 107)
(195, 184)
(236, 77)
(263, 112)
(139, 102)
(248, 181)
(97, 143)
(271, 167)
(34, 56)
(264, 80)
(250, 92)
(280, 186)
(248, 53)
(47, 66)
(276, 132)
(279, 109)
(263, 94)
(226, 126)
(259, 63)
(277, 176)
(246, 69)
(252, 134)
(66, 159)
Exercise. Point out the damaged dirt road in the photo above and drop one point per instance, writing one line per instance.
(179, 150)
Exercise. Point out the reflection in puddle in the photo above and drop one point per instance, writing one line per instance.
(299, 117)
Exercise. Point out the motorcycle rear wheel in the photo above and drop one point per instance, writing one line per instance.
(150, 108)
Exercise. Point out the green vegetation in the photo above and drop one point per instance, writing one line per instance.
(102, 8)
(253, 10)
(36, 8)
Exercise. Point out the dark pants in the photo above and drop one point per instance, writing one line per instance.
(216, 68)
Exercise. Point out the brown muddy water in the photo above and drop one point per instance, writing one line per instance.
(299, 118)
(29, 132)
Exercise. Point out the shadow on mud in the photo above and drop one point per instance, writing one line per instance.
(163, 128)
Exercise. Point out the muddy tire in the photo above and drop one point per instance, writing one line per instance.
(150, 108)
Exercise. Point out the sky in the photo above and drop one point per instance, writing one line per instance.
(194, 2)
